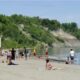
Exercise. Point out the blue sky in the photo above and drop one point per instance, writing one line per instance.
(62, 10)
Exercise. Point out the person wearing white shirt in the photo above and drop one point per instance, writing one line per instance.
(72, 54)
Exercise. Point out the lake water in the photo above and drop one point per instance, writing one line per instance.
(62, 53)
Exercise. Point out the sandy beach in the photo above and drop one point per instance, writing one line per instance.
(34, 69)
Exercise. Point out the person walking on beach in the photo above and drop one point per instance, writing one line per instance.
(72, 55)
(29, 53)
(25, 52)
(17, 53)
(13, 54)
(21, 53)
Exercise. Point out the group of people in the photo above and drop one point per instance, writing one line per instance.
(70, 60)
(12, 54)
(22, 53)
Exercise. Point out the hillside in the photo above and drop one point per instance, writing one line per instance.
(24, 31)
(69, 40)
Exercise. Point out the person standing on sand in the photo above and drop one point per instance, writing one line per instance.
(29, 53)
(25, 52)
(46, 52)
(17, 53)
(13, 54)
(34, 52)
(72, 55)
(21, 53)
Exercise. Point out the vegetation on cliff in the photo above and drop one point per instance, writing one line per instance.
(20, 31)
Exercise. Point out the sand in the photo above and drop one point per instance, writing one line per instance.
(34, 69)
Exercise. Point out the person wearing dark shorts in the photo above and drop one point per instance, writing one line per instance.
(72, 57)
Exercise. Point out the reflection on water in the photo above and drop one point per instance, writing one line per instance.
(62, 53)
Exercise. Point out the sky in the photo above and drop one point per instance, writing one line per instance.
(61, 10)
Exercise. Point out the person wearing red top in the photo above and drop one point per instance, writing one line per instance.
(34, 52)
(46, 53)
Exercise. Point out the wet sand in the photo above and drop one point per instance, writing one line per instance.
(34, 69)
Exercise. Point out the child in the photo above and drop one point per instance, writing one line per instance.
(67, 61)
